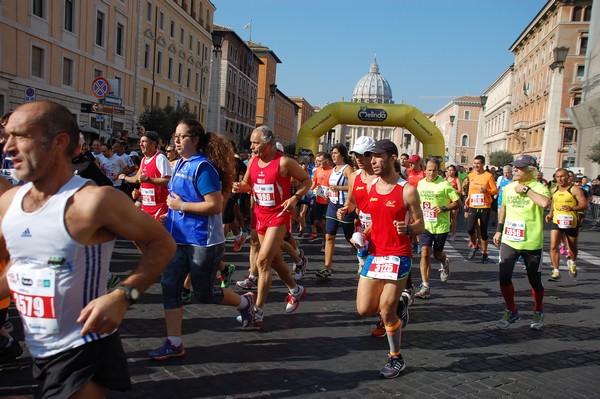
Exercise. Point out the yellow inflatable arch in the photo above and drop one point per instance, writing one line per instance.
(371, 114)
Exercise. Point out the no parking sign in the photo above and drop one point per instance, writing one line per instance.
(100, 87)
(29, 94)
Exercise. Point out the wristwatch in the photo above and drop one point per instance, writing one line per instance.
(444, 209)
(131, 293)
(526, 189)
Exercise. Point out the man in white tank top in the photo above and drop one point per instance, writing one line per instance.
(59, 231)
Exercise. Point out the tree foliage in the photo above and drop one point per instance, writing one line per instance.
(164, 120)
(501, 158)
(594, 154)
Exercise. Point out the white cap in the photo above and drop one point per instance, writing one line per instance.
(134, 154)
(362, 145)
(279, 147)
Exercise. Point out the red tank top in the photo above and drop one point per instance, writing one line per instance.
(359, 190)
(269, 188)
(384, 209)
(154, 198)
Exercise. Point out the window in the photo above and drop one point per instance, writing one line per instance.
(117, 90)
(120, 39)
(199, 49)
(583, 42)
(576, 100)
(196, 82)
(179, 73)
(37, 8)
(580, 73)
(569, 135)
(168, 100)
(464, 141)
(157, 102)
(145, 97)
(181, 35)
(170, 69)
(68, 17)
(464, 159)
(159, 62)
(587, 13)
(37, 62)
(100, 28)
(161, 21)
(149, 12)
(191, 45)
(67, 78)
(467, 115)
(97, 73)
(146, 55)
(172, 29)
(189, 78)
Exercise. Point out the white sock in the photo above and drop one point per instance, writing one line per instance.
(243, 303)
(175, 341)
(252, 277)
(239, 236)
(295, 290)
(426, 284)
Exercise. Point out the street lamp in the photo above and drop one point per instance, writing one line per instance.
(272, 91)
(214, 102)
(217, 39)
(483, 100)
(452, 117)
(560, 56)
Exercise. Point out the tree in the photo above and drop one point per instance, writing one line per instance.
(501, 158)
(164, 120)
(594, 154)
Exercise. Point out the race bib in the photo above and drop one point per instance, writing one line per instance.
(33, 292)
(428, 213)
(514, 231)
(333, 196)
(322, 191)
(365, 219)
(477, 199)
(564, 221)
(148, 196)
(264, 194)
(384, 268)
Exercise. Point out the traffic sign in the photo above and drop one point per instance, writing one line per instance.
(29, 94)
(97, 108)
(110, 100)
(99, 118)
(100, 87)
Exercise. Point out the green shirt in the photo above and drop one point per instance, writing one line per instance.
(462, 176)
(436, 193)
(524, 220)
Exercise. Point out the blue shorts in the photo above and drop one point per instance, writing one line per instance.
(202, 263)
(332, 223)
(403, 272)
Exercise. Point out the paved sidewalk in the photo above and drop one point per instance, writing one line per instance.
(324, 350)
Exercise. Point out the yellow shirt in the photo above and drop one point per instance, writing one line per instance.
(564, 219)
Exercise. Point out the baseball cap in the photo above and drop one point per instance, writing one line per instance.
(362, 145)
(524, 160)
(134, 154)
(279, 146)
(382, 146)
(414, 159)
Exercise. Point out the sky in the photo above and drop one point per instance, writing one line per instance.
(430, 51)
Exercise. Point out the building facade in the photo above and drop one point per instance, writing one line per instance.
(267, 86)
(305, 112)
(496, 115)
(549, 70)
(235, 88)
(285, 118)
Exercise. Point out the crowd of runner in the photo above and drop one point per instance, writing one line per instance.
(178, 200)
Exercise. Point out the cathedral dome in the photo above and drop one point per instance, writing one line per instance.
(372, 88)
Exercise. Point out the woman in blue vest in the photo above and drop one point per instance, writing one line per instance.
(201, 179)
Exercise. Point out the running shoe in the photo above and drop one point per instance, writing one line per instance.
(9, 352)
(248, 283)
(410, 294)
(485, 257)
(237, 244)
(313, 237)
(452, 236)
(472, 252)
(423, 292)
(293, 300)
(572, 268)
(300, 270)
(555, 275)
(445, 271)
(402, 310)
(324, 273)
(562, 249)
(166, 350)
(507, 319)
(537, 323)
(112, 281)
(186, 296)
(379, 330)
(226, 275)
(248, 312)
(393, 367)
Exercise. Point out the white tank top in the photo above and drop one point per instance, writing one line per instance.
(52, 277)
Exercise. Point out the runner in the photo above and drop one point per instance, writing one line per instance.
(320, 188)
(438, 199)
(60, 229)
(482, 188)
(194, 220)
(268, 177)
(456, 183)
(567, 201)
(520, 230)
(383, 276)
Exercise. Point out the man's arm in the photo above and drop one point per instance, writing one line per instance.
(582, 202)
(350, 204)
(500, 226)
(99, 214)
(289, 167)
(244, 185)
(5, 201)
(412, 202)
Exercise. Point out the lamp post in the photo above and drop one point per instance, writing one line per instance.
(552, 130)
(214, 103)
(481, 138)
(272, 91)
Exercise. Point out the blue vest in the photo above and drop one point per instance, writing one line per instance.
(192, 228)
